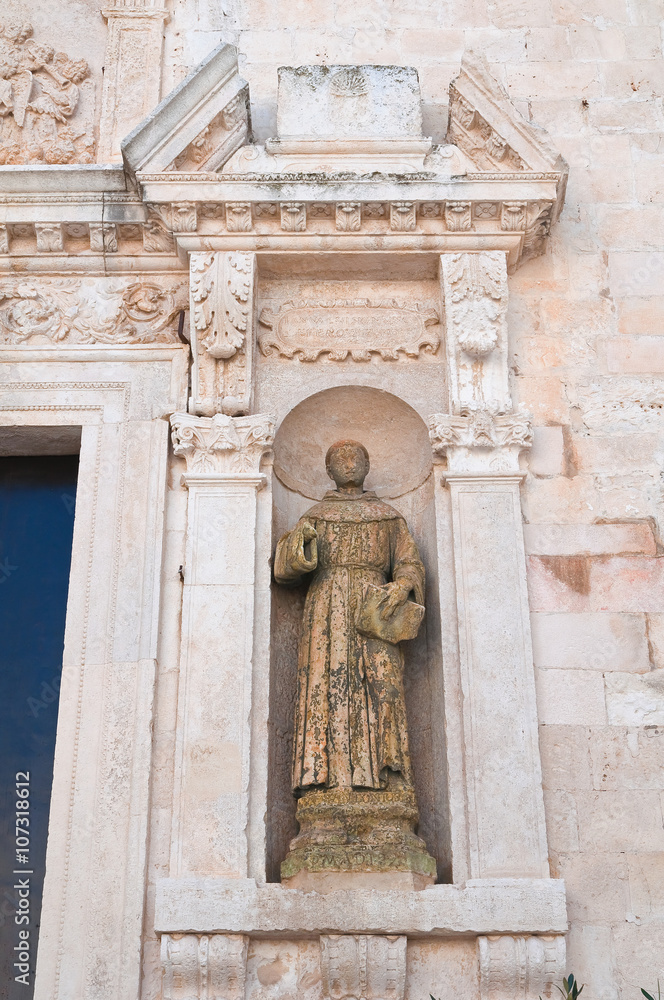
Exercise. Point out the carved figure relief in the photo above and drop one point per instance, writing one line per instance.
(357, 327)
(351, 766)
(103, 311)
(46, 104)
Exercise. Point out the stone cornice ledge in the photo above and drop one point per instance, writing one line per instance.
(480, 907)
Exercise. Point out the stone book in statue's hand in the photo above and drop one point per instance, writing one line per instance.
(404, 623)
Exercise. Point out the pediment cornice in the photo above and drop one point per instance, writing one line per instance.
(496, 185)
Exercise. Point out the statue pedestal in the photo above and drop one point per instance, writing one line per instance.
(352, 838)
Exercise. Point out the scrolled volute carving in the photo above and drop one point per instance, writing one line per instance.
(476, 299)
(481, 438)
(205, 966)
(221, 444)
(221, 286)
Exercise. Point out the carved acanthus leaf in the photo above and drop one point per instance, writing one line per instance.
(40, 91)
(480, 427)
(475, 298)
(97, 311)
(222, 444)
(221, 286)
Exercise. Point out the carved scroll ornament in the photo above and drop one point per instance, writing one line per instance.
(357, 327)
(205, 966)
(363, 966)
(221, 319)
(40, 91)
(100, 311)
(520, 967)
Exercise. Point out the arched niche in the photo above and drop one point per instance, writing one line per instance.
(401, 473)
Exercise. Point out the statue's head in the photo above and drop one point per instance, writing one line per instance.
(347, 462)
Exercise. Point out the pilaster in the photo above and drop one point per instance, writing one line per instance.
(132, 81)
(505, 811)
(211, 795)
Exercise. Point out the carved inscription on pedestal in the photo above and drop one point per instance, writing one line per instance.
(357, 327)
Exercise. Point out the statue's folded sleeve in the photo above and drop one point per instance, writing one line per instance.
(290, 561)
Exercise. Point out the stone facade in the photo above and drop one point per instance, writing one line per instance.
(205, 284)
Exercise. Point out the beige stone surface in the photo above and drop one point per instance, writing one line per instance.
(582, 332)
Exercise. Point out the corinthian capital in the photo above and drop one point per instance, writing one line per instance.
(481, 439)
(220, 444)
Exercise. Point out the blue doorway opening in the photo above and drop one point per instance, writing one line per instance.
(37, 501)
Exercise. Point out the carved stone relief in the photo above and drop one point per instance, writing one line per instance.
(363, 966)
(339, 328)
(207, 151)
(476, 294)
(46, 103)
(481, 439)
(97, 310)
(222, 288)
(473, 134)
(474, 287)
(208, 967)
(517, 968)
(222, 444)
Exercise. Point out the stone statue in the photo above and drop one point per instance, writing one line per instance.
(351, 768)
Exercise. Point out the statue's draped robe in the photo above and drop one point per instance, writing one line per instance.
(350, 725)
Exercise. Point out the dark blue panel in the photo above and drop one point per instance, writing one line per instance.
(37, 496)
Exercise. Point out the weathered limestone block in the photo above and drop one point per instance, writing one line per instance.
(132, 81)
(512, 968)
(363, 966)
(204, 967)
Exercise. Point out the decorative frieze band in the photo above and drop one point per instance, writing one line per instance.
(222, 445)
(155, 234)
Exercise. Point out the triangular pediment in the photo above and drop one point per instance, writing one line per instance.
(199, 125)
(490, 130)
